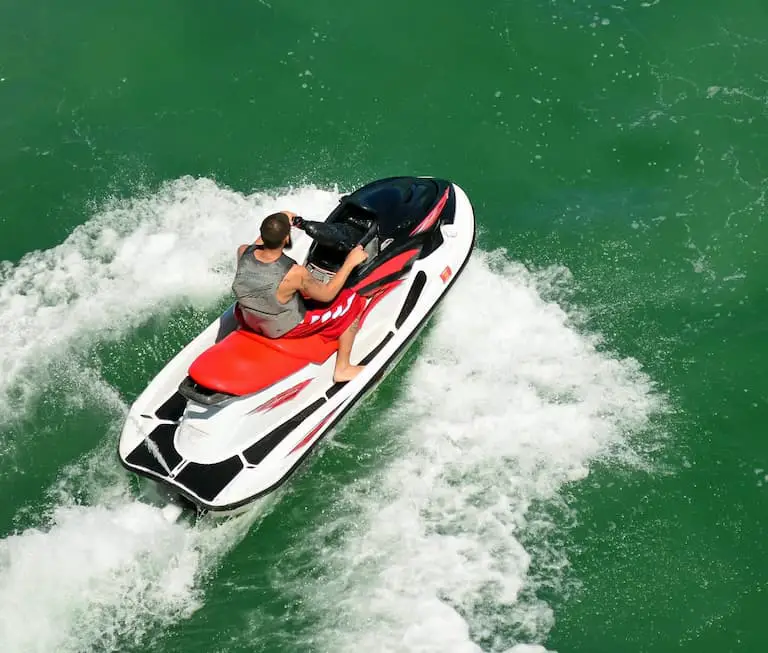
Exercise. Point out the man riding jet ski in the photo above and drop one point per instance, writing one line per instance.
(270, 288)
(234, 413)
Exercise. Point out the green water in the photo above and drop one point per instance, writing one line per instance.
(572, 456)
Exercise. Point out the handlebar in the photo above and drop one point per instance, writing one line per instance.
(369, 235)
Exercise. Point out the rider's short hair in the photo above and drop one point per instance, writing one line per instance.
(274, 229)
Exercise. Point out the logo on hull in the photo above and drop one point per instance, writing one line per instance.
(335, 313)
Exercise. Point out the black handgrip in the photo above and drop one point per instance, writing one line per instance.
(369, 235)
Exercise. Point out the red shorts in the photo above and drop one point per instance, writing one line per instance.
(332, 320)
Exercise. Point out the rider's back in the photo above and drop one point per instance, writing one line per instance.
(255, 287)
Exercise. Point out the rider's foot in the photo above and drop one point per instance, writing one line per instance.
(347, 373)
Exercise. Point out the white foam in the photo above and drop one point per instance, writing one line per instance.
(507, 402)
(96, 572)
(113, 572)
(133, 259)
(104, 576)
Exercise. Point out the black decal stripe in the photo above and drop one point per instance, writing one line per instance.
(335, 388)
(162, 437)
(371, 355)
(173, 408)
(394, 276)
(206, 481)
(413, 296)
(257, 452)
(142, 457)
(374, 352)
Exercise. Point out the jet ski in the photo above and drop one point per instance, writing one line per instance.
(234, 413)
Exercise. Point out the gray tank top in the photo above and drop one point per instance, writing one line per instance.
(255, 287)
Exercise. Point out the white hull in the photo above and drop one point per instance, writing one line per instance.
(223, 457)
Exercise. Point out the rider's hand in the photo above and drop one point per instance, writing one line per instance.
(356, 256)
(291, 215)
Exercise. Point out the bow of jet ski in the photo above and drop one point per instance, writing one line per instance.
(233, 414)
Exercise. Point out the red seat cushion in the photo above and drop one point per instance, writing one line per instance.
(245, 362)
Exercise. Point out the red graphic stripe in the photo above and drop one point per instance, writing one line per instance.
(283, 397)
(308, 437)
(393, 265)
(434, 214)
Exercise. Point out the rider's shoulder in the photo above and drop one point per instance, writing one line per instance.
(297, 271)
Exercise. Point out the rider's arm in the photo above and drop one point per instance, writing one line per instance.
(240, 251)
(324, 292)
(299, 279)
